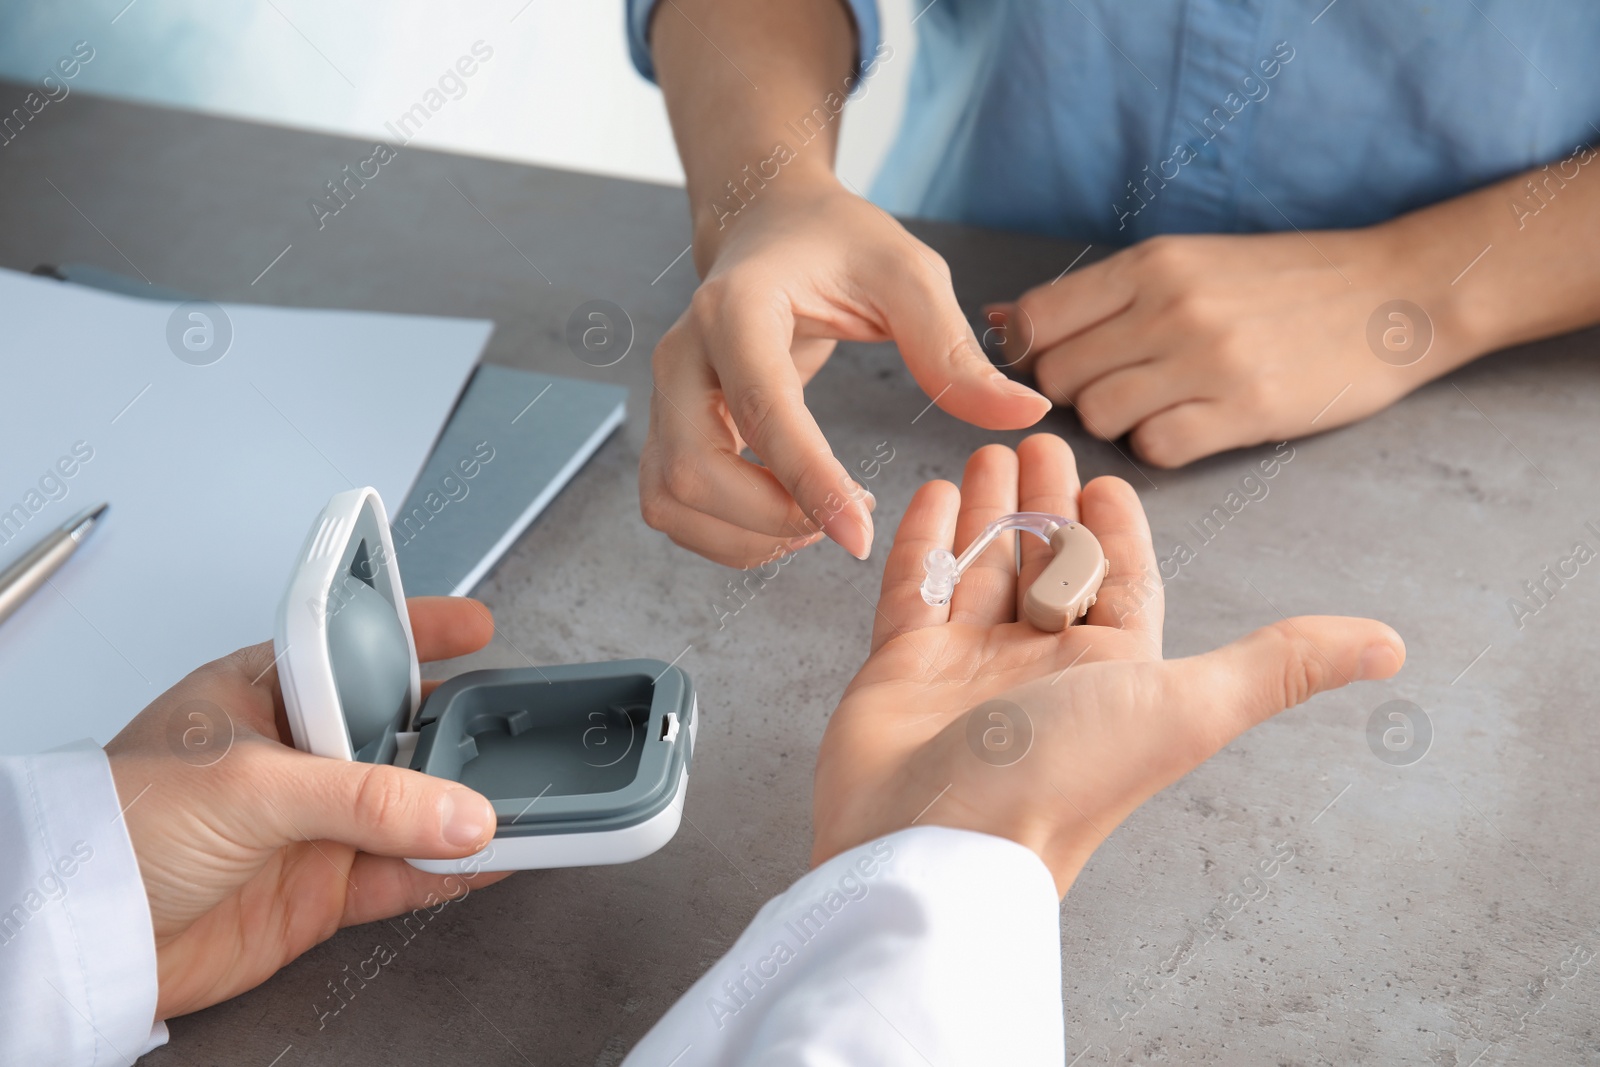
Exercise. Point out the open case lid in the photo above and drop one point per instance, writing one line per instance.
(346, 658)
(584, 763)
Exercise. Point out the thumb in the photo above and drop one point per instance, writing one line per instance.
(1277, 667)
(390, 811)
(944, 357)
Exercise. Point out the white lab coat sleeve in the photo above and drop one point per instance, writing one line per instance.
(77, 952)
(931, 946)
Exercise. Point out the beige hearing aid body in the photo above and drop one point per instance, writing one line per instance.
(1067, 588)
(1061, 595)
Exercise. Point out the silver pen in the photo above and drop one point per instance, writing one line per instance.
(24, 577)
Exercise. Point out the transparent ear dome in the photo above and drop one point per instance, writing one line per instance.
(942, 569)
(939, 583)
(371, 661)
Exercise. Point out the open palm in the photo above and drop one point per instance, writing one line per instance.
(964, 717)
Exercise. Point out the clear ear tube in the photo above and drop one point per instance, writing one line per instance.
(943, 569)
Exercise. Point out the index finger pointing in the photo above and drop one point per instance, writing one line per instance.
(748, 344)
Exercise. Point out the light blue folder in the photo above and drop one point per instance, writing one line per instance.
(536, 429)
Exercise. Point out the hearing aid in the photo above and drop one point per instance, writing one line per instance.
(1064, 591)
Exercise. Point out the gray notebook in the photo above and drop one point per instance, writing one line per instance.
(514, 440)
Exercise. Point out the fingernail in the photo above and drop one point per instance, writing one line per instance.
(1378, 661)
(1018, 389)
(465, 818)
(1004, 311)
(872, 501)
(862, 535)
(866, 545)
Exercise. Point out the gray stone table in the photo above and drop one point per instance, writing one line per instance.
(1438, 911)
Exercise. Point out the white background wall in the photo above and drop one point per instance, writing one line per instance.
(559, 90)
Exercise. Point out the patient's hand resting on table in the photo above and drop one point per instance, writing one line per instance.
(1104, 723)
(1198, 344)
(254, 852)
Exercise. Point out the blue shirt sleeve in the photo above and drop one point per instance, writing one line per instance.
(639, 13)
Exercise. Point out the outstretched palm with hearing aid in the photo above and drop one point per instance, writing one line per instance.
(963, 716)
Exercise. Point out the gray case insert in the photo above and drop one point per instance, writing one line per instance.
(577, 748)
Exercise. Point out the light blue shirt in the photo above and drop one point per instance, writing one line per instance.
(1113, 121)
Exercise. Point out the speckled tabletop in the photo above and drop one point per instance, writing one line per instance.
(1431, 905)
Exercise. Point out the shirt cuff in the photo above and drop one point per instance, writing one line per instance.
(639, 13)
(928, 945)
(77, 949)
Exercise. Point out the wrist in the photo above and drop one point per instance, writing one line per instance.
(1487, 284)
(1063, 854)
(768, 183)
(1414, 264)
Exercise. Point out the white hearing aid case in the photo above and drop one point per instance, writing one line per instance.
(585, 764)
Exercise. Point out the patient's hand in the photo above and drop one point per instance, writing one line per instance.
(1094, 723)
(252, 852)
(1197, 344)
